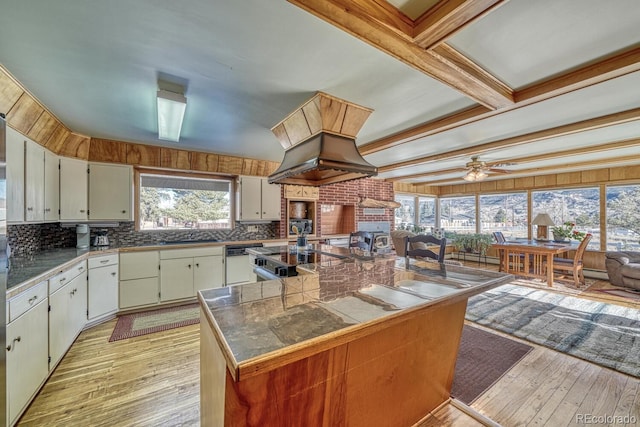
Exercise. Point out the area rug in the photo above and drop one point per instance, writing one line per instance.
(483, 359)
(147, 322)
(605, 334)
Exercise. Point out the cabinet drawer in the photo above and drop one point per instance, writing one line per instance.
(103, 261)
(61, 279)
(26, 300)
(191, 252)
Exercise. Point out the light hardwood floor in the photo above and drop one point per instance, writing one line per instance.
(153, 380)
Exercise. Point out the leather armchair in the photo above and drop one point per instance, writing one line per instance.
(623, 268)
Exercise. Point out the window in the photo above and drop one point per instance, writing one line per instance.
(405, 215)
(578, 205)
(623, 218)
(173, 202)
(458, 214)
(504, 212)
(427, 213)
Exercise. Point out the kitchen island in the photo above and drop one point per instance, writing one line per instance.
(363, 341)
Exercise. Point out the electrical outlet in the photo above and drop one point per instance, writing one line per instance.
(252, 228)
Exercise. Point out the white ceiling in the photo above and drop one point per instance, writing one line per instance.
(247, 64)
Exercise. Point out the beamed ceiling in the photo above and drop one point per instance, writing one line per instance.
(530, 87)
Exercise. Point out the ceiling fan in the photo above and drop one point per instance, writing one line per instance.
(477, 169)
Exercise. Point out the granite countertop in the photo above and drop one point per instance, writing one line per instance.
(262, 321)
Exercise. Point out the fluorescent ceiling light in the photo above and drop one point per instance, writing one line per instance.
(171, 107)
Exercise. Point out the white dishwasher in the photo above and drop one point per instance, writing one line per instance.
(239, 268)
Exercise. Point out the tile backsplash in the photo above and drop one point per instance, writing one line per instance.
(29, 238)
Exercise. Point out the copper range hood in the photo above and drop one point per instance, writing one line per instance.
(319, 139)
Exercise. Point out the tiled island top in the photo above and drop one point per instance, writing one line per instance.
(329, 303)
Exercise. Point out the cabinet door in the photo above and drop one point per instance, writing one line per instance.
(208, 272)
(27, 359)
(110, 192)
(73, 190)
(176, 278)
(34, 181)
(240, 270)
(15, 175)
(270, 200)
(139, 265)
(60, 323)
(78, 305)
(103, 291)
(250, 198)
(138, 292)
(51, 186)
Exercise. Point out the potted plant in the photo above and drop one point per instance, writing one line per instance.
(566, 232)
(476, 243)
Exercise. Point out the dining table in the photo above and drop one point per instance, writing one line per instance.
(531, 258)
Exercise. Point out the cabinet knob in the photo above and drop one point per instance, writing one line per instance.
(189, 265)
(197, 265)
(82, 211)
(33, 299)
(30, 209)
(257, 213)
(124, 211)
(113, 274)
(47, 210)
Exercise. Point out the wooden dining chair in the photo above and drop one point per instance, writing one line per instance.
(417, 246)
(575, 265)
(499, 238)
(362, 240)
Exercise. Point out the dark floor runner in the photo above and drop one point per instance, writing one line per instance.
(483, 358)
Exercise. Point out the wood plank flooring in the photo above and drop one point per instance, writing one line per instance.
(153, 380)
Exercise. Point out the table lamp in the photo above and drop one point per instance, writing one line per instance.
(543, 221)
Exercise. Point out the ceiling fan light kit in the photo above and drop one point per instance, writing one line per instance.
(475, 175)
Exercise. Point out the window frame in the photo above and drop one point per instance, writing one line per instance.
(138, 171)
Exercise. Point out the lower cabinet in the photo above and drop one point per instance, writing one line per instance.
(183, 272)
(67, 316)
(139, 279)
(103, 286)
(240, 270)
(27, 357)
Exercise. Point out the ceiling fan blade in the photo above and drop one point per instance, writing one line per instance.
(498, 170)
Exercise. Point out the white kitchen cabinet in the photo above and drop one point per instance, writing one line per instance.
(103, 286)
(34, 181)
(183, 272)
(51, 186)
(68, 310)
(15, 175)
(257, 199)
(110, 192)
(139, 279)
(209, 272)
(239, 270)
(27, 357)
(73, 190)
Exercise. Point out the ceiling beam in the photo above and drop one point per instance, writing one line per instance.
(447, 18)
(618, 65)
(563, 130)
(359, 23)
(572, 167)
(625, 143)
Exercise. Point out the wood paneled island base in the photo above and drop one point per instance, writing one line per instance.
(387, 375)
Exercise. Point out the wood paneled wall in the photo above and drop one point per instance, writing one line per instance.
(29, 117)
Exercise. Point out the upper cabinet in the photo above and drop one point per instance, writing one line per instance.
(51, 186)
(15, 175)
(257, 199)
(73, 190)
(34, 181)
(110, 190)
